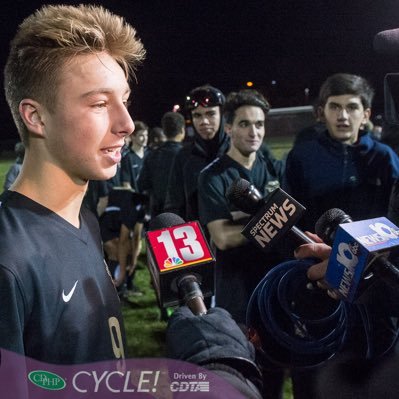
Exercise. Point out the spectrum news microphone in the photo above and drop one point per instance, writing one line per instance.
(358, 249)
(180, 262)
(273, 216)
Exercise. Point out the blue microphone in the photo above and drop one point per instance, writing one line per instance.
(360, 250)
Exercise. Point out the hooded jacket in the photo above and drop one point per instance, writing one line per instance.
(324, 173)
(182, 194)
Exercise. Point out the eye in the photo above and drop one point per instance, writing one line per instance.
(353, 107)
(127, 103)
(333, 107)
(259, 124)
(101, 104)
(243, 124)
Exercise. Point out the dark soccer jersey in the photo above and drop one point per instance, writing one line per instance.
(238, 269)
(58, 302)
(219, 176)
(155, 174)
(131, 165)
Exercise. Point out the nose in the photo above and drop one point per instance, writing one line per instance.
(252, 130)
(123, 124)
(343, 113)
(205, 119)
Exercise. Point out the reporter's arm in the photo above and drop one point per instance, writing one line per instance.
(214, 341)
(321, 251)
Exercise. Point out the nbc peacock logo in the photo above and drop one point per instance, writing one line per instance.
(172, 261)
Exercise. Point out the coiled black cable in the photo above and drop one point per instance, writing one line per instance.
(298, 324)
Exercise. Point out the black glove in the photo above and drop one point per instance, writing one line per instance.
(215, 341)
(198, 339)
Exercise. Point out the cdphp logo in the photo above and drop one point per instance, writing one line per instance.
(47, 380)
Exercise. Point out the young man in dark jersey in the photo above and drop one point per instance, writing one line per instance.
(131, 165)
(154, 174)
(66, 82)
(240, 264)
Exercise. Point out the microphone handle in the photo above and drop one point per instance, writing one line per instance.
(299, 234)
(191, 293)
(197, 306)
(386, 270)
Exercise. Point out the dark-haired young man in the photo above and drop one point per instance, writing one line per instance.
(157, 164)
(240, 265)
(343, 167)
(205, 105)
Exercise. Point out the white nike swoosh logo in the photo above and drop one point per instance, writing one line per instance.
(67, 298)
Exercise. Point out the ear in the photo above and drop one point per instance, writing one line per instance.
(320, 114)
(31, 114)
(227, 129)
(367, 114)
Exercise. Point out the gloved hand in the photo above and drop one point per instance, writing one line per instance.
(198, 339)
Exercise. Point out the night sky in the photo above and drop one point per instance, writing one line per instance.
(226, 43)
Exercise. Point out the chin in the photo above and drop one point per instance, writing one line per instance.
(104, 174)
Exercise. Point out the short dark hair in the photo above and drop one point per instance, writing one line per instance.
(241, 98)
(344, 83)
(172, 124)
(139, 126)
(155, 133)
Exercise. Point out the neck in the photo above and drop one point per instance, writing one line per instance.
(245, 160)
(139, 150)
(49, 186)
(174, 140)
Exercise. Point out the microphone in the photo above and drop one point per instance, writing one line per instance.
(180, 262)
(357, 248)
(273, 216)
(387, 42)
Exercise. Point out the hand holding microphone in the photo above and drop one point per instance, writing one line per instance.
(180, 262)
(358, 249)
(273, 216)
(215, 341)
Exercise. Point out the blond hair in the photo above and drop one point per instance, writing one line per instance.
(53, 35)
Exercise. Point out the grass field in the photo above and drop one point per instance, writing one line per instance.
(145, 331)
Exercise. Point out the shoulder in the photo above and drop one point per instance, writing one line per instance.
(213, 169)
(20, 228)
(385, 148)
(183, 153)
(369, 143)
(306, 149)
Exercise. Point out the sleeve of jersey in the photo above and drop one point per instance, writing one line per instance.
(212, 202)
(125, 169)
(144, 179)
(129, 211)
(11, 313)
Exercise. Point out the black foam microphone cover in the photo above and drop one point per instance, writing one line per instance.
(163, 220)
(387, 42)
